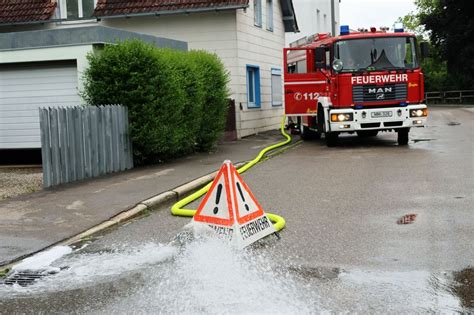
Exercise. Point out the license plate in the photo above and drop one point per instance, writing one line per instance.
(381, 114)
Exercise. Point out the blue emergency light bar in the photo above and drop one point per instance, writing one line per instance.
(344, 30)
(398, 28)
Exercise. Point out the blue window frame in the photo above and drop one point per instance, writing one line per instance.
(253, 86)
(277, 89)
(257, 12)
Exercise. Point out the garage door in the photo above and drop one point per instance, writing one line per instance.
(26, 87)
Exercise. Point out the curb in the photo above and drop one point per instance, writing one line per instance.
(156, 201)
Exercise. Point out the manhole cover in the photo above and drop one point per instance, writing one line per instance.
(27, 277)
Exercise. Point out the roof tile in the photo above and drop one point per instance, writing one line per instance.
(15, 11)
(123, 7)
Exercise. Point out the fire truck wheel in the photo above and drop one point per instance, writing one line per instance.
(403, 136)
(332, 139)
(367, 133)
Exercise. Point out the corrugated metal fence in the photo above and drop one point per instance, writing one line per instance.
(84, 142)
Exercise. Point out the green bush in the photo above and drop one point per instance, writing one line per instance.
(167, 94)
(192, 111)
(215, 79)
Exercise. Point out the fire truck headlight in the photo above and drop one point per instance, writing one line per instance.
(419, 112)
(341, 117)
(337, 65)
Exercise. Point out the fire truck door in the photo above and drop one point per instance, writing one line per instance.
(303, 83)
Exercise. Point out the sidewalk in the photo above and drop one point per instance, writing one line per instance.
(32, 222)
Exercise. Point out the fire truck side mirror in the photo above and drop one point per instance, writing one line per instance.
(319, 54)
(424, 48)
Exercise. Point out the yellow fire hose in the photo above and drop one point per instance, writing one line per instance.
(278, 221)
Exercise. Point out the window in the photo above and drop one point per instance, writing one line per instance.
(277, 90)
(296, 61)
(253, 86)
(77, 9)
(270, 15)
(257, 11)
(381, 53)
(328, 59)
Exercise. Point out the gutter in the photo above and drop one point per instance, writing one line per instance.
(171, 12)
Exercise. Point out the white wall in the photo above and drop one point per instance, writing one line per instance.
(235, 39)
(215, 32)
(258, 46)
(307, 17)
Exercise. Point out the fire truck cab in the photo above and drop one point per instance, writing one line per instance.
(364, 82)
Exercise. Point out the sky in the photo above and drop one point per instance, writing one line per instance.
(367, 13)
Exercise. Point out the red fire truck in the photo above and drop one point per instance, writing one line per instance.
(364, 82)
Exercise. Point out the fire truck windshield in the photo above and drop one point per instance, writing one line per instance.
(371, 54)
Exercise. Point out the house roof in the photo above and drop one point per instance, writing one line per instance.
(26, 11)
(289, 16)
(106, 8)
(14, 11)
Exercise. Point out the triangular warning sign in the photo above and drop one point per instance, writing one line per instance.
(246, 205)
(216, 206)
(231, 209)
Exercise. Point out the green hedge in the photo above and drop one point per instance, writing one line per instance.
(176, 100)
(215, 78)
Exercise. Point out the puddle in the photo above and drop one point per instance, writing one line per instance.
(402, 292)
(463, 286)
(453, 123)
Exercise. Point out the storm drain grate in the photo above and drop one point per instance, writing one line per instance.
(26, 277)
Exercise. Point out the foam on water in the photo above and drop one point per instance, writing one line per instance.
(87, 268)
(209, 276)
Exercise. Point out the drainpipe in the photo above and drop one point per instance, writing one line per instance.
(333, 19)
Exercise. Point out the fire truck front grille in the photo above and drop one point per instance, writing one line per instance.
(379, 93)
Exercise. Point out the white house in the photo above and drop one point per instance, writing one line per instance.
(44, 43)
(315, 16)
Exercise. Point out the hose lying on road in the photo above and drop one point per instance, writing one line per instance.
(278, 221)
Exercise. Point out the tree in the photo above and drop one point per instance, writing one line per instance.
(451, 27)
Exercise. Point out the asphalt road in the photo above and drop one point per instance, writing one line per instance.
(342, 249)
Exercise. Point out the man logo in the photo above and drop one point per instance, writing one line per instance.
(380, 90)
